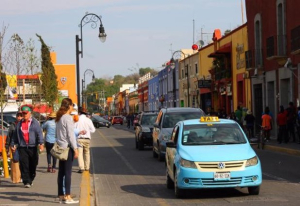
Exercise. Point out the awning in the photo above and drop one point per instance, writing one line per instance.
(204, 90)
(226, 48)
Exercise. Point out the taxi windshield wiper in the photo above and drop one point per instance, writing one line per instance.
(218, 142)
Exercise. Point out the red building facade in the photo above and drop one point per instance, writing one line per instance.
(273, 58)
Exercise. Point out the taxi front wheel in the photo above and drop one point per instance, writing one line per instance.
(179, 193)
(253, 190)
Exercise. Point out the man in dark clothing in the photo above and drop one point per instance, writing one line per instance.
(291, 119)
(249, 118)
(27, 136)
(128, 118)
(11, 130)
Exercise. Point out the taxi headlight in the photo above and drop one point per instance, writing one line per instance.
(166, 137)
(146, 129)
(187, 164)
(251, 162)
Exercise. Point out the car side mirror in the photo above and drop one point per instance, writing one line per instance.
(171, 144)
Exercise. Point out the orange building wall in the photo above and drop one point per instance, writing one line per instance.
(69, 72)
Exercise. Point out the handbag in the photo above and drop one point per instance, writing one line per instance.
(60, 152)
(16, 156)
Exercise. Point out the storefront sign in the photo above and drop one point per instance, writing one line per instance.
(204, 83)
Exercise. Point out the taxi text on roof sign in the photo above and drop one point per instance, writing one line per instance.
(209, 119)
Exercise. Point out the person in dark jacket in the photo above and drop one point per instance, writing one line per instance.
(27, 136)
(11, 130)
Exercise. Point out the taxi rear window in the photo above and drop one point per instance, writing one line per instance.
(212, 134)
(171, 119)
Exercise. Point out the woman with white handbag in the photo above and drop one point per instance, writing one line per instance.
(66, 138)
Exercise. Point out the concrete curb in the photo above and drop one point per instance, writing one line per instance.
(283, 150)
(85, 189)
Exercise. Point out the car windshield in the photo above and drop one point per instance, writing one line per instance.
(148, 119)
(207, 134)
(98, 118)
(9, 118)
(171, 119)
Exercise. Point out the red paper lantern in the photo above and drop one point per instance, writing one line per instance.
(195, 47)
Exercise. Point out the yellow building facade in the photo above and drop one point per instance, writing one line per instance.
(223, 62)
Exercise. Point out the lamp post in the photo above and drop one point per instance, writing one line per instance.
(83, 83)
(172, 65)
(86, 19)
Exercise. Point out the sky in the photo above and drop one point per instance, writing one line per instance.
(140, 33)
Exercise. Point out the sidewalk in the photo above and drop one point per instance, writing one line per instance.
(291, 148)
(44, 189)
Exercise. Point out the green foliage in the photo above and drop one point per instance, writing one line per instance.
(3, 82)
(48, 78)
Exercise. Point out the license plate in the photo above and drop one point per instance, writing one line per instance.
(222, 175)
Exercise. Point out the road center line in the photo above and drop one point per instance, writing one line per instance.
(159, 200)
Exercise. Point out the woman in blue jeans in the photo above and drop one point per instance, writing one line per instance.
(66, 138)
(50, 128)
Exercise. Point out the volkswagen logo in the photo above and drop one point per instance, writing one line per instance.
(221, 165)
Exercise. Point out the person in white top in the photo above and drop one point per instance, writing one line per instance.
(86, 124)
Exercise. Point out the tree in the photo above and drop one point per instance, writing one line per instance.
(3, 82)
(48, 77)
(32, 62)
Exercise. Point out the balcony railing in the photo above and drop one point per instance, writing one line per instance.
(254, 58)
(295, 39)
(223, 74)
(276, 46)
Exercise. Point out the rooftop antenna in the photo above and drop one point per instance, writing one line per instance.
(242, 8)
(171, 49)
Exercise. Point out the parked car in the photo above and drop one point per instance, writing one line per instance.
(165, 121)
(100, 122)
(143, 129)
(5, 125)
(9, 117)
(117, 120)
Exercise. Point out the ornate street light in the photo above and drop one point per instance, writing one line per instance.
(83, 81)
(93, 19)
(172, 65)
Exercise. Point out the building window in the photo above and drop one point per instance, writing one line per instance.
(196, 68)
(281, 34)
(257, 36)
(295, 39)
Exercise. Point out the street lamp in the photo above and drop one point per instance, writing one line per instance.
(172, 65)
(93, 19)
(83, 81)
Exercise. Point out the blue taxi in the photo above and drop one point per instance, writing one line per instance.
(211, 153)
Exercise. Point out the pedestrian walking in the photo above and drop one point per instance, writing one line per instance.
(249, 119)
(267, 123)
(27, 136)
(50, 128)
(66, 138)
(291, 119)
(15, 167)
(239, 114)
(128, 118)
(84, 124)
(281, 123)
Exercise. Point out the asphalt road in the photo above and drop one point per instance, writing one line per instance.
(122, 175)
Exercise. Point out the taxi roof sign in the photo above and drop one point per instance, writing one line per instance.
(209, 119)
